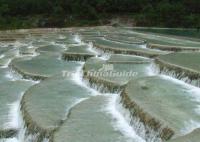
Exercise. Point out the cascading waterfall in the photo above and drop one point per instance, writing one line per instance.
(121, 121)
(63, 46)
(61, 37)
(11, 75)
(190, 125)
(7, 63)
(77, 38)
(2, 56)
(154, 136)
(151, 70)
(14, 120)
(92, 50)
(70, 107)
(121, 117)
(9, 140)
(77, 77)
(15, 116)
(143, 46)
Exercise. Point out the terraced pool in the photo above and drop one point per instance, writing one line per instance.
(101, 84)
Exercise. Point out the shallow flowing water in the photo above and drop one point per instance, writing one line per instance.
(38, 86)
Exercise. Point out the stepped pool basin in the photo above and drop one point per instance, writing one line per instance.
(104, 84)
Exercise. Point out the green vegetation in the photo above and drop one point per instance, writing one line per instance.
(60, 13)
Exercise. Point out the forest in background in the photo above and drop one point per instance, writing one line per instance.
(64, 13)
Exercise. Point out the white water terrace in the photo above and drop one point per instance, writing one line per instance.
(120, 116)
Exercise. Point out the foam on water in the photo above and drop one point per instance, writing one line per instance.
(77, 38)
(77, 77)
(119, 121)
(2, 56)
(3, 44)
(190, 125)
(150, 70)
(15, 120)
(12, 76)
(7, 64)
(143, 46)
(141, 57)
(73, 105)
(34, 54)
(61, 37)
(9, 140)
(194, 91)
(31, 46)
(22, 135)
(19, 44)
(191, 88)
(13, 115)
(91, 49)
(105, 57)
(60, 45)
